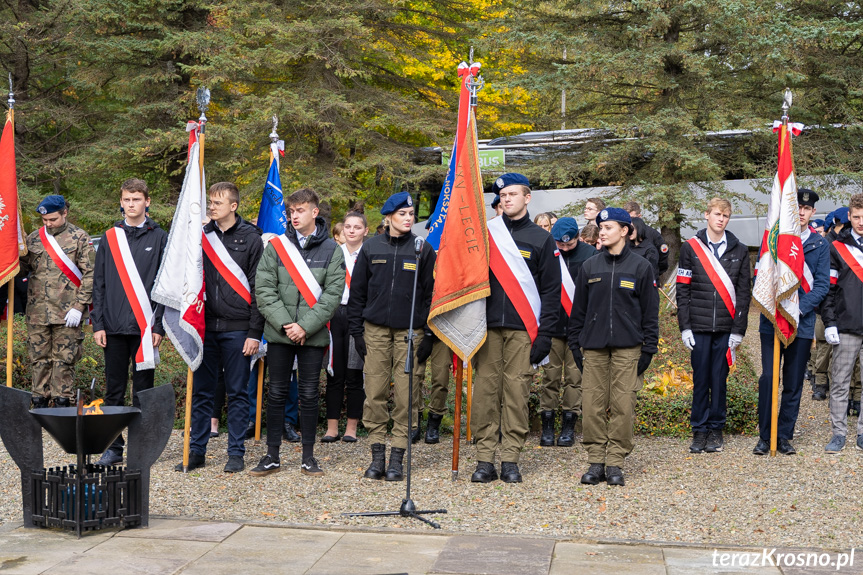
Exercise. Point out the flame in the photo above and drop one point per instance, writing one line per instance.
(94, 408)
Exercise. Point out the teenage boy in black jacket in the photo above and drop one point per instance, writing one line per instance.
(232, 249)
(713, 297)
(613, 335)
(115, 326)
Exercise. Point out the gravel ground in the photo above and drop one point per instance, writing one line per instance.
(811, 499)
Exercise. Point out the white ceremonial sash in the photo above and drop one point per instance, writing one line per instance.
(302, 277)
(808, 280)
(567, 292)
(510, 269)
(350, 261)
(226, 266)
(59, 257)
(136, 294)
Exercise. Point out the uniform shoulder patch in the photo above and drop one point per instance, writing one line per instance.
(525, 254)
(664, 248)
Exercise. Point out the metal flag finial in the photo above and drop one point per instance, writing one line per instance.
(786, 102)
(203, 97)
(470, 56)
(274, 136)
(11, 99)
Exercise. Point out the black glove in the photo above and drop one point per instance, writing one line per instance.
(425, 348)
(360, 345)
(644, 362)
(540, 348)
(578, 357)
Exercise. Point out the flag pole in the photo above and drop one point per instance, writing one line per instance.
(469, 390)
(774, 392)
(456, 427)
(10, 305)
(203, 98)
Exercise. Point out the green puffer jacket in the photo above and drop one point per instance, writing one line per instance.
(279, 300)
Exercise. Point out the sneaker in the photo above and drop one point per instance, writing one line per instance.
(836, 444)
(699, 442)
(860, 442)
(715, 441)
(235, 464)
(266, 466)
(111, 457)
(310, 467)
(761, 448)
(195, 461)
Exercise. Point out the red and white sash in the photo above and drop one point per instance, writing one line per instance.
(853, 259)
(718, 277)
(67, 266)
(136, 294)
(567, 292)
(303, 278)
(510, 269)
(350, 261)
(808, 280)
(226, 266)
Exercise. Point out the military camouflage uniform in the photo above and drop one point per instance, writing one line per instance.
(54, 348)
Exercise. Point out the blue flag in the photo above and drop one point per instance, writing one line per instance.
(272, 217)
(438, 218)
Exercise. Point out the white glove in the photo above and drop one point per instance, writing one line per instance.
(73, 318)
(688, 339)
(734, 340)
(831, 334)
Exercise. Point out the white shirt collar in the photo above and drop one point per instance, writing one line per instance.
(141, 225)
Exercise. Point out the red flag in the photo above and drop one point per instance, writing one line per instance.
(457, 313)
(12, 238)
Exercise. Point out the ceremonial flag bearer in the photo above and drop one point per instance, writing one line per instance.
(521, 314)
(613, 335)
(813, 289)
(60, 263)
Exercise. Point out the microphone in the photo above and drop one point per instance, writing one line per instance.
(418, 245)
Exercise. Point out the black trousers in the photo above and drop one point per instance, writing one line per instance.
(120, 352)
(344, 383)
(280, 357)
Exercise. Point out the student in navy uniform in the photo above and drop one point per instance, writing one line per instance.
(503, 365)
(613, 335)
(378, 319)
(561, 379)
(706, 324)
(816, 251)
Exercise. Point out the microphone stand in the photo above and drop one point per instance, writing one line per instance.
(408, 507)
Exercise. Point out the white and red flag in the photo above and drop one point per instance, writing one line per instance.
(780, 261)
(180, 283)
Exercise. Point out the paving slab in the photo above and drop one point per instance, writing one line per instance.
(377, 553)
(183, 530)
(267, 550)
(29, 551)
(495, 556)
(130, 556)
(709, 562)
(587, 559)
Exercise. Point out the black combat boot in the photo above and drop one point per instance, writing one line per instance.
(38, 402)
(509, 472)
(379, 455)
(567, 430)
(394, 471)
(418, 432)
(62, 402)
(433, 428)
(819, 392)
(547, 437)
(485, 472)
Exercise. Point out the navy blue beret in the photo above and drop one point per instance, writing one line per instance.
(495, 201)
(565, 229)
(614, 215)
(841, 216)
(396, 202)
(817, 223)
(51, 204)
(510, 179)
(806, 197)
